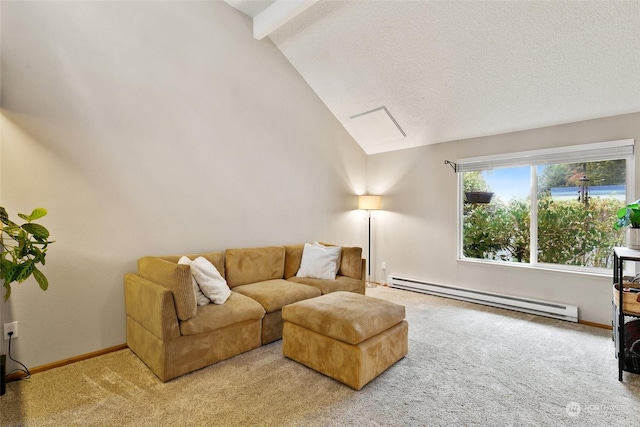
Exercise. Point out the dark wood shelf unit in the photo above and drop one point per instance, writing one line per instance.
(625, 362)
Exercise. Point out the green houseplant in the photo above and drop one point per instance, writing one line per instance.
(23, 248)
(629, 216)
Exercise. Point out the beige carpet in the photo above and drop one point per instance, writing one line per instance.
(468, 365)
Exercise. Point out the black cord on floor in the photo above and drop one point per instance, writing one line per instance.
(25, 370)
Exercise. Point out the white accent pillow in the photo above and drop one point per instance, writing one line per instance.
(200, 298)
(211, 282)
(319, 262)
(323, 246)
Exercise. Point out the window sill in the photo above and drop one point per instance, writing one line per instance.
(585, 271)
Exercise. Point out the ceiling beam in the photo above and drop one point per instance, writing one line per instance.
(278, 14)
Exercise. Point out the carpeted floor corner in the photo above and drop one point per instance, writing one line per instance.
(468, 365)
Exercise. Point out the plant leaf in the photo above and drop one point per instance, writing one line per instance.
(7, 292)
(37, 213)
(25, 271)
(4, 216)
(37, 230)
(622, 212)
(41, 279)
(11, 273)
(5, 265)
(38, 255)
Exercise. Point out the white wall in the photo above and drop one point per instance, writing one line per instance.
(416, 232)
(155, 128)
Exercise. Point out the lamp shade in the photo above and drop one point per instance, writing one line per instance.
(370, 203)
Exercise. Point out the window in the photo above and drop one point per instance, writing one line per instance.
(553, 207)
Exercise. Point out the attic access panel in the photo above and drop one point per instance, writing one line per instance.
(375, 127)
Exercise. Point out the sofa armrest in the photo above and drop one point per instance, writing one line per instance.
(363, 272)
(152, 306)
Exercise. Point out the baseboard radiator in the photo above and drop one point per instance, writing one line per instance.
(525, 305)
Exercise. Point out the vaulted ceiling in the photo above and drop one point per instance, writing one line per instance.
(449, 70)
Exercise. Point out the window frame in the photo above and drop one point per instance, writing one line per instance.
(609, 150)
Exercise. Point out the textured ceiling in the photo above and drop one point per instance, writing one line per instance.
(448, 70)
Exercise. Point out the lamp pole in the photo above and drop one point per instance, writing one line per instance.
(369, 248)
(369, 203)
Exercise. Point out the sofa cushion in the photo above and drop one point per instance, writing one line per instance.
(345, 316)
(333, 249)
(319, 262)
(342, 283)
(275, 294)
(351, 263)
(212, 284)
(252, 265)
(238, 308)
(175, 277)
(292, 259)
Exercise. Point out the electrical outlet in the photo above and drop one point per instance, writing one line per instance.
(384, 265)
(11, 327)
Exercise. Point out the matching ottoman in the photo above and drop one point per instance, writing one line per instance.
(350, 337)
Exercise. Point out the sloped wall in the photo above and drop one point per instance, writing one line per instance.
(155, 128)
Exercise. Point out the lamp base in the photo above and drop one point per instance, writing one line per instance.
(370, 284)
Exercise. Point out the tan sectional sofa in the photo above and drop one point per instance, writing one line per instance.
(168, 331)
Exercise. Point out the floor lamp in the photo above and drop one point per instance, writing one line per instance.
(369, 203)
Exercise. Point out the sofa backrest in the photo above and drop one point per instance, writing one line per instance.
(250, 265)
(215, 258)
(292, 259)
(350, 263)
(166, 272)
